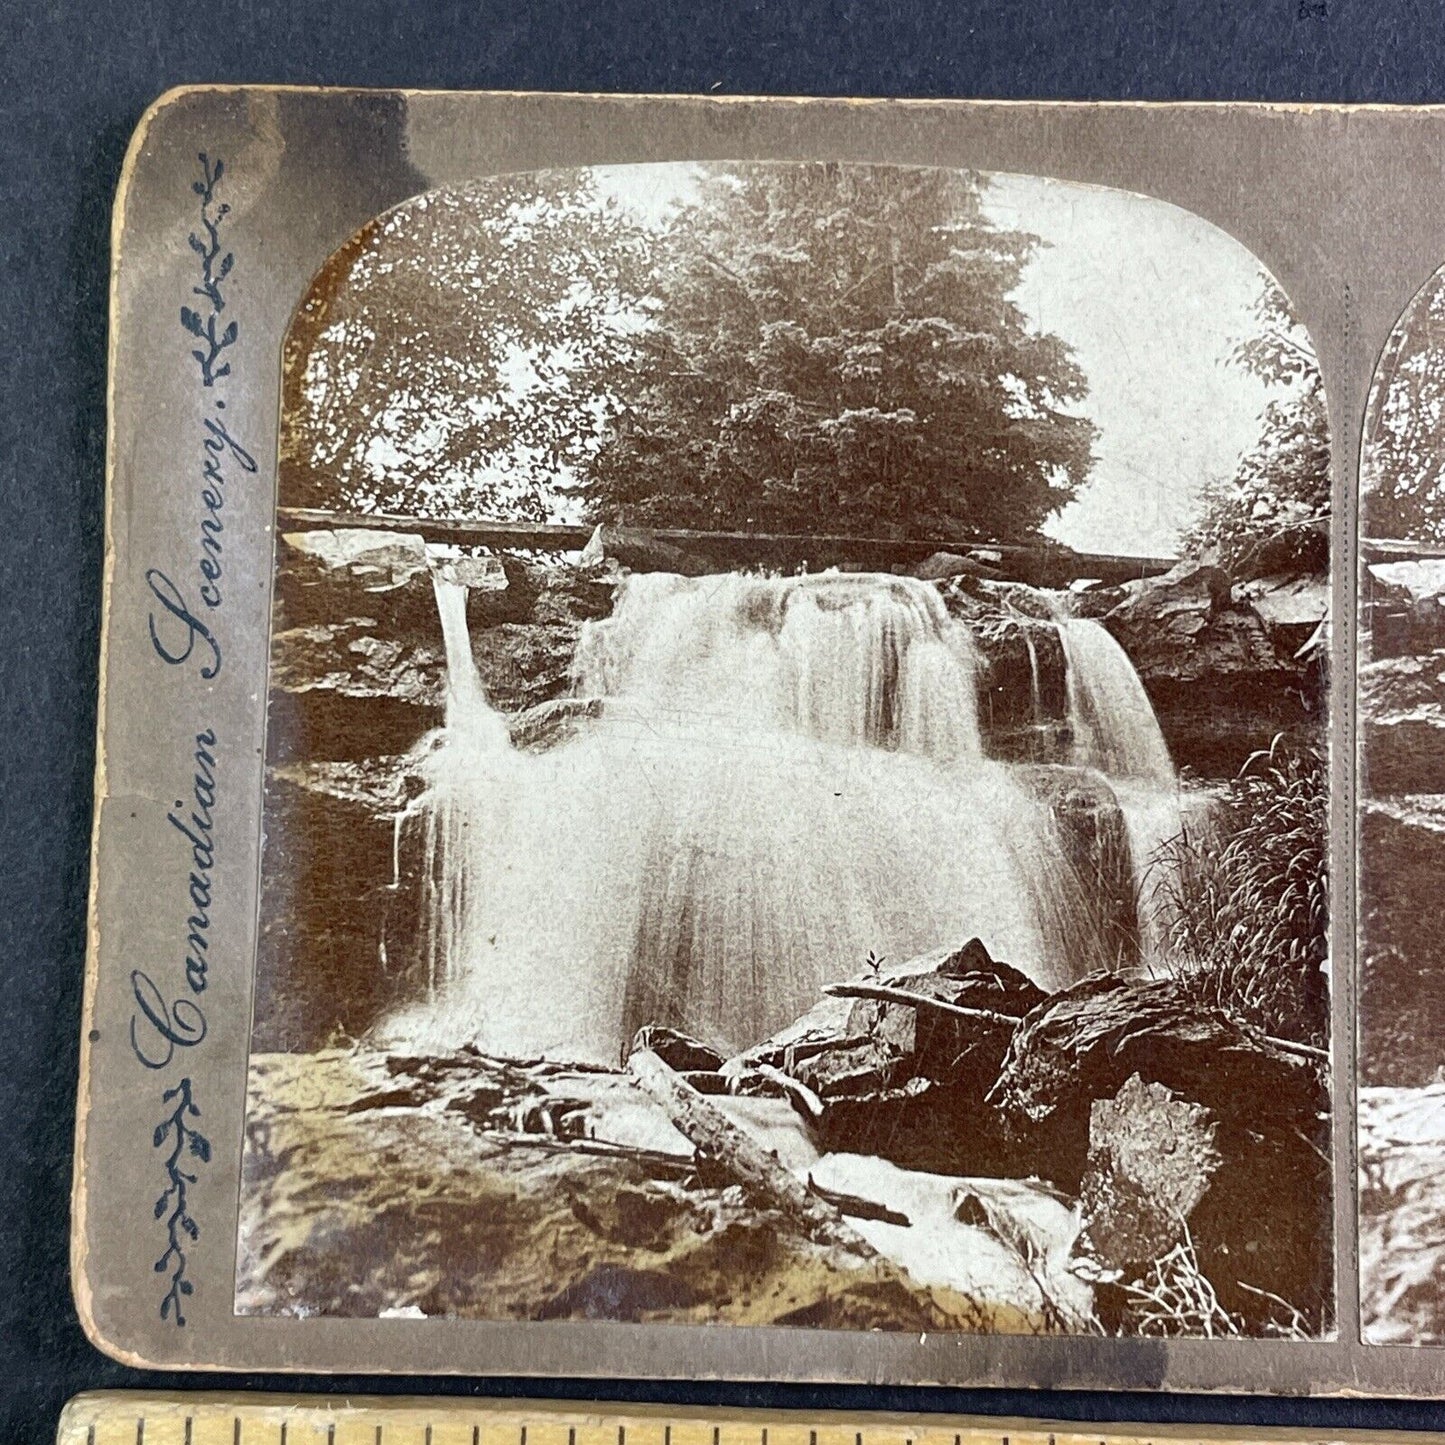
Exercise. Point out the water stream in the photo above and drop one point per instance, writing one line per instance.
(786, 775)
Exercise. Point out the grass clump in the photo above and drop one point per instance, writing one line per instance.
(1246, 895)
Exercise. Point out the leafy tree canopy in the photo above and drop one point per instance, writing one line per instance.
(834, 347)
(1403, 469)
(1273, 514)
(460, 354)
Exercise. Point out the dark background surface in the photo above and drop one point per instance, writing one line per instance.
(75, 78)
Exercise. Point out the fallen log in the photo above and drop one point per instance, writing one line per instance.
(812, 1105)
(713, 1134)
(886, 993)
(657, 1162)
(856, 1206)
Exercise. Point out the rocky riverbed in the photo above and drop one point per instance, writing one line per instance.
(979, 1156)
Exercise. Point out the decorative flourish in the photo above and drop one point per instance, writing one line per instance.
(215, 267)
(181, 1228)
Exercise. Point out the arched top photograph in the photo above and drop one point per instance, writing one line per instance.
(797, 736)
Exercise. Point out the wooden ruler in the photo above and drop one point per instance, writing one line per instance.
(125, 1418)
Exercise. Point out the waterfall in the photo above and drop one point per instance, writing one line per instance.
(1113, 721)
(786, 775)
(1115, 730)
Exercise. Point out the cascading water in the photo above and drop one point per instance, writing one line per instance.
(786, 774)
(1115, 730)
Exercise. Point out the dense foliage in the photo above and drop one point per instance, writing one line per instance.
(1403, 465)
(459, 354)
(1247, 895)
(834, 346)
(1272, 515)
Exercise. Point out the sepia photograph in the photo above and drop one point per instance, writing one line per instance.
(797, 766)
(1401, 731)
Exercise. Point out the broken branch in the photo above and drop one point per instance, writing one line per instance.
(885, 993)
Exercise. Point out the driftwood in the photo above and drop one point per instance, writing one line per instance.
(657, 1162)
(857, 1206)
(886, 993)
(758, 1169)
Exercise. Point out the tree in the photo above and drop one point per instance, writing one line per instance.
(1403, 464)
(458, 354)
(1273, 514)
(835, 347)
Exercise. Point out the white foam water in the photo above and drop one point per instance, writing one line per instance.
(786, 775)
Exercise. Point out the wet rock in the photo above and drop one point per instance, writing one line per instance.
(1258, 1227)
(358, 659)
(341, 690)
(349, 1212)
(1402, 1214)
(1096, 925)
(909, 1083)
(942, 565)
(1218, 682)
(677, 1050)
(1402, 1004)
(1096, 600)
(546, 724)
(358, 933)
(1402, 717)
(640, 550)
(1023, 689)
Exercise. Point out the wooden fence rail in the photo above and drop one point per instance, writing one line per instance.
(1044, 565)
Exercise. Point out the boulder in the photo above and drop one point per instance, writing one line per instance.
(1219, 684)
(1151, 1157)
(1293, 608)
(908, 1083)
(940, 566)
(1258, 1228)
